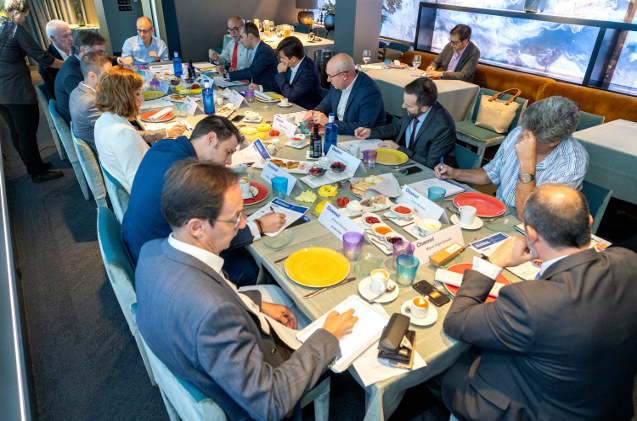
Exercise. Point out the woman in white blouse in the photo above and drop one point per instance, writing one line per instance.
(120, 147)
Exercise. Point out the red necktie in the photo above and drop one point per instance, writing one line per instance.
(413, 134)
(234, 55)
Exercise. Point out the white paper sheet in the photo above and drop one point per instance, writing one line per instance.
(423, 186)
(298, 116)
(363, 145)
(155, 103)
(292, 213)
(251, 154)
(527, 271)
(167, 126)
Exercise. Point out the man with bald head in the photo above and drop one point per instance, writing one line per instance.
(61, 43)
(145, 48)
(561, 347)
(234, 55)
(354, 98)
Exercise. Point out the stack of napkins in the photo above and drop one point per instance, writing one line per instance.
(455, 279)
(160, 114)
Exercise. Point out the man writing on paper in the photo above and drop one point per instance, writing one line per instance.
(542, 150)
(561, 347)
(263, 62)
(234, 53)
(215, 139)
(459, 59)
(222, 341)
(425, 133)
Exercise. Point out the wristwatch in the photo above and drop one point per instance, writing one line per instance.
(526, 178)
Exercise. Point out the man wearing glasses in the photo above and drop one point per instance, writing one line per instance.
(263, 62)
(459, 58)
(234, 54)
(145, 48)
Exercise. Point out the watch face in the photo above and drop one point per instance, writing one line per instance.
(526, 178)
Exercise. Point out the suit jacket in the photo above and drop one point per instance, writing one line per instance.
(466, 67)
(49, 73)
(304, 90)
(144, 220)
(365, 107)
(69, 76)
(199, 327)
(262, 69)
(435, 139)
(559, 348)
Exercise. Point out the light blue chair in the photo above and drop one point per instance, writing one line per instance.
(466, 159)
(597, 198)
(91, 169)
(588, 120)
(44, 95)
(64, 132)
(118, 194)
(302, 29)
(121, 274)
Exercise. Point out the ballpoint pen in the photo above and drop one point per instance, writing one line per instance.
(442, 158)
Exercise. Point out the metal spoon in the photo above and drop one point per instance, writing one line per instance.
(390, 289)
(454, 211)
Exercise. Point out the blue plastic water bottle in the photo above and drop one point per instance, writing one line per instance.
(177, 65)
(208, 99)
(331, 134)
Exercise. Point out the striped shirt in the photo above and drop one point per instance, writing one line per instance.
(566, 164)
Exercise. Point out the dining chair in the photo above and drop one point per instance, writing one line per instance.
(44, 95)
(91, 169)
(466, 159)
(64, 132)
(302, 29)
(588, 120)
(482, 138)
(120, 274)
(597, 198)
(118, 194)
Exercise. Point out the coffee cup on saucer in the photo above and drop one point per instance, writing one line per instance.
(285, 102)
(467, 214)
(419, 307)
(378, 283)
(244, 184)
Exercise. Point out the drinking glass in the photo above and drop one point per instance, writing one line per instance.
(406, 268)
(436, 194)
(352, 245)
(416, 63)
(306, 127)
(369, 157)
(182, 109)
(280, 187)
(366, 58)
(400, 248)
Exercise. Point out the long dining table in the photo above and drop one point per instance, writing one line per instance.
(434, 346)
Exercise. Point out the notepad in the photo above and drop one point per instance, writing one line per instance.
(423, 186)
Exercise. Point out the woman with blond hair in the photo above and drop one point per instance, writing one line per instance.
(119, 145)
(18, 100)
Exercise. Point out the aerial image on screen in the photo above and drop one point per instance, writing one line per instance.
(625, 75)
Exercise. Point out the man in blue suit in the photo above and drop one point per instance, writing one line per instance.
(298, 78)
(263, 66)
(354, 98)
(214, 138)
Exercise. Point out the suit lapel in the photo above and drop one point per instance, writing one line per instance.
(402, 135)
(570, 262)
(464, 57)
(352, 94)
(423, 126)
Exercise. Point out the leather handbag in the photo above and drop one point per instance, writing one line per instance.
(497, 114)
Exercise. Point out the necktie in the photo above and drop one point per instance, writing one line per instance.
(413, 134)
(234, 55)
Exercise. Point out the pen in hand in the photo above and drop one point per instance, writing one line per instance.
(442, 159)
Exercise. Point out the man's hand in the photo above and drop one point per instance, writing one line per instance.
(511, 253)
(127, 63)
(232, 69)
(430, 69)
(433, 73)
(154, 56)
(279, 313)
(526, 151)
(176, 130)
(212, 54)
(340, 325)
(282, 68)
(446, 173)
(320, 118)
(388, 144)
(254, 87)
(362, 133)
(309, 116)
(272, 222)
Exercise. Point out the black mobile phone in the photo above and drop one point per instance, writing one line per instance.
(425, 288)
(237, 118)
(413, 170)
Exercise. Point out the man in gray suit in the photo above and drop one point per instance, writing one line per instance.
(459, 58)
(425, 133)
(561, 347)
(201, 328)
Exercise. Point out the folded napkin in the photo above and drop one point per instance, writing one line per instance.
(455, 279)
(160, 114)
(263, 96)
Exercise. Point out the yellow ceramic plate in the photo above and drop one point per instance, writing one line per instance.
(275, 97)
(390, 157)
(316, 267)
(153, 94)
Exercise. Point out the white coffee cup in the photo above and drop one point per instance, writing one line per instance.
(275, 142)
(378, 283)
(354, 150)
(271, 148)
(324, 161)
(467, 214)
(244, 184)
(285, 103)
(419, 307)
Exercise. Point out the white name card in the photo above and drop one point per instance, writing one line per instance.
(226, 93)
(236, 99)
(163, 86)
(191, 105)
(288, 129)
(337, 222)
(424, 208)
(352, 163)
(432, 244)
(205, 79)
(148, 75)
(270, 171)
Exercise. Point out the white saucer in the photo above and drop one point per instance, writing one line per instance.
(305, 143)
(253, 190)
(284, 106)
(365, 291)
(255, 120)
(477, 223)
(432, 315)
(401, 222)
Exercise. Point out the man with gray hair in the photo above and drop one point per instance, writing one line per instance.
(61, 43)
(234, 55)
(542, 150)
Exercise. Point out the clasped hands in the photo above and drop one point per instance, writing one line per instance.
(431, 72)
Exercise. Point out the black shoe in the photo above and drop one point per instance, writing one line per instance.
(47, 165)
(46, 176)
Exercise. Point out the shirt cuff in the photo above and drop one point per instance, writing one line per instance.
(254, 230)
(486, 268)
(261, 88)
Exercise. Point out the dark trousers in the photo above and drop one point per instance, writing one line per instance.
(241, 268)
(23, 120)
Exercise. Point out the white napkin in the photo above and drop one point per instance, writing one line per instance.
(263, 96)
(160, 114)
(455, 279)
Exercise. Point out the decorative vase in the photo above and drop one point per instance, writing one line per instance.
(79, 15)
(329, 21)
(306, 17)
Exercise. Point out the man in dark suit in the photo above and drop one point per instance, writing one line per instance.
(204, 330)
(61, 43)
(561, 347)
(459, 58)
(425, 133)
(263, 66)
(214, 138)
(70, 74)
(354, 98)
(298, 77)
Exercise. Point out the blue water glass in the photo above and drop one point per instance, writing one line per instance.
(436, 193)
(280, 187)
(406, 268)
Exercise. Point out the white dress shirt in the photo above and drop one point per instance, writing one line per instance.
(62, 53)
(120, 147)
(293, 71)
(342, 103)
(243, 55)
